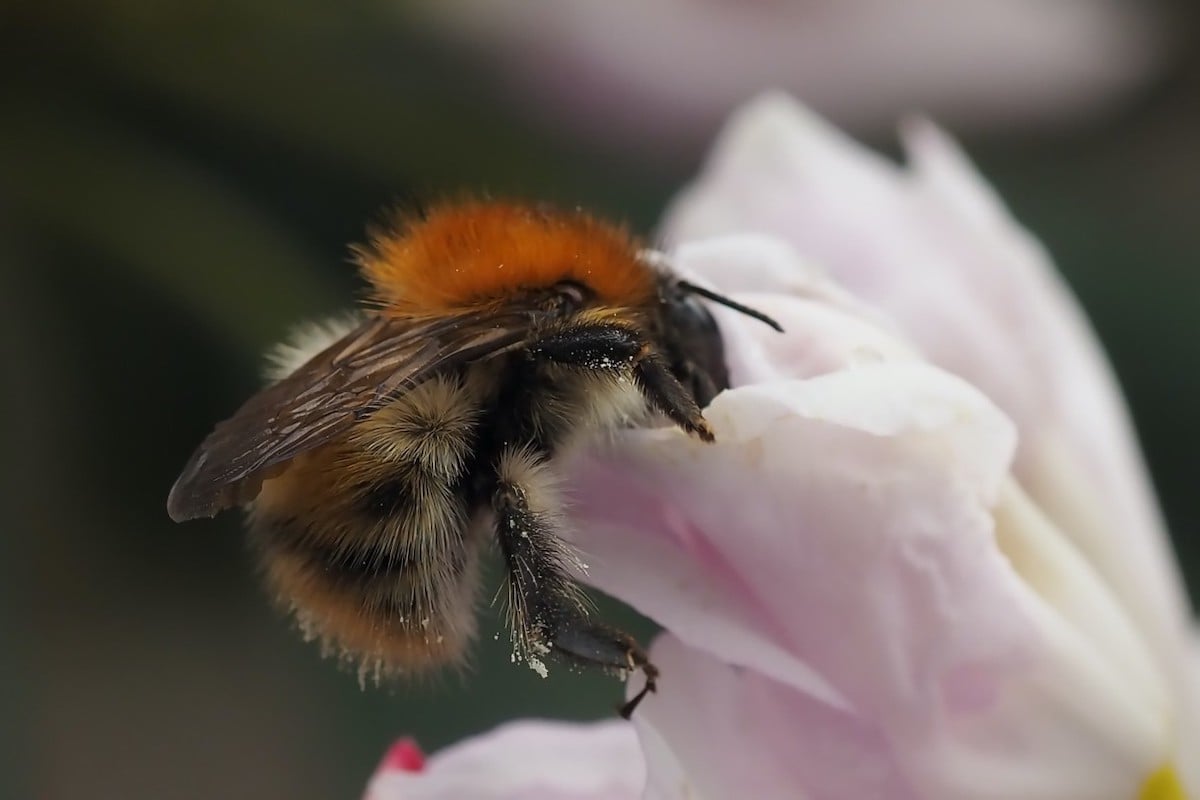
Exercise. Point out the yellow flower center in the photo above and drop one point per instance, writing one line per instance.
(1163, 785)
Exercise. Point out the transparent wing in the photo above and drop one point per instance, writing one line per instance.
(376, 362)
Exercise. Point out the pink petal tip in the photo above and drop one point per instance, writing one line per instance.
(404, 756)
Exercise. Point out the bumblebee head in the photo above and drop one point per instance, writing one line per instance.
(692, 338)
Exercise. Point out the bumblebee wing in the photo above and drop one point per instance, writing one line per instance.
(374, 363)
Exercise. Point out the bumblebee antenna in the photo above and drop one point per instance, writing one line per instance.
(725, 301)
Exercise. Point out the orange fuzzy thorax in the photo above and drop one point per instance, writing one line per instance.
(462, 255)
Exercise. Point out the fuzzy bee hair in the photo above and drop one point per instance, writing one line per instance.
(392, 445)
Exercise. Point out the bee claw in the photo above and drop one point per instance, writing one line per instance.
(626, 710)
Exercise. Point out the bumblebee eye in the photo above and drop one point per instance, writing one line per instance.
(694, 344)
(692, 315)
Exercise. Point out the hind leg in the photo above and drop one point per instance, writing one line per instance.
(547, 609)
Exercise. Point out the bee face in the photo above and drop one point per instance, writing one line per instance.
(691, 338)
(399, 444)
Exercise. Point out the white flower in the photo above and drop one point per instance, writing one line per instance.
(887, 578)
(519, 761)
(933, 248)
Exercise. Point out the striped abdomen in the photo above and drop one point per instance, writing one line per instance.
(368, 541)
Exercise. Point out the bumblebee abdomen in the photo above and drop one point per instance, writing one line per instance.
(367, 541)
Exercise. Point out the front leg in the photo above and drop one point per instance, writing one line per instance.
(615, 347)
(547, 609)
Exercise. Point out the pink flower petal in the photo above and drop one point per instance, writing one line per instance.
(838, 540)
(933, 248)
(735, 733)
(1080, 460)
(857, 496)
(403, 756)
(825, 328)
(525, 760)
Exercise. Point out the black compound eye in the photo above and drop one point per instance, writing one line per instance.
(698, 317)
(695, 343)
(688, 312)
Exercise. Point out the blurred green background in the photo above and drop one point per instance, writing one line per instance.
(178, 184)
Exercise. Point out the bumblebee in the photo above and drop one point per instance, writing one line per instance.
(392, 446)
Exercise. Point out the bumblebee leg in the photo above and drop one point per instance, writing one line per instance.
(668, 395)
(595, 643)
(547, 610)
(607, 346)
